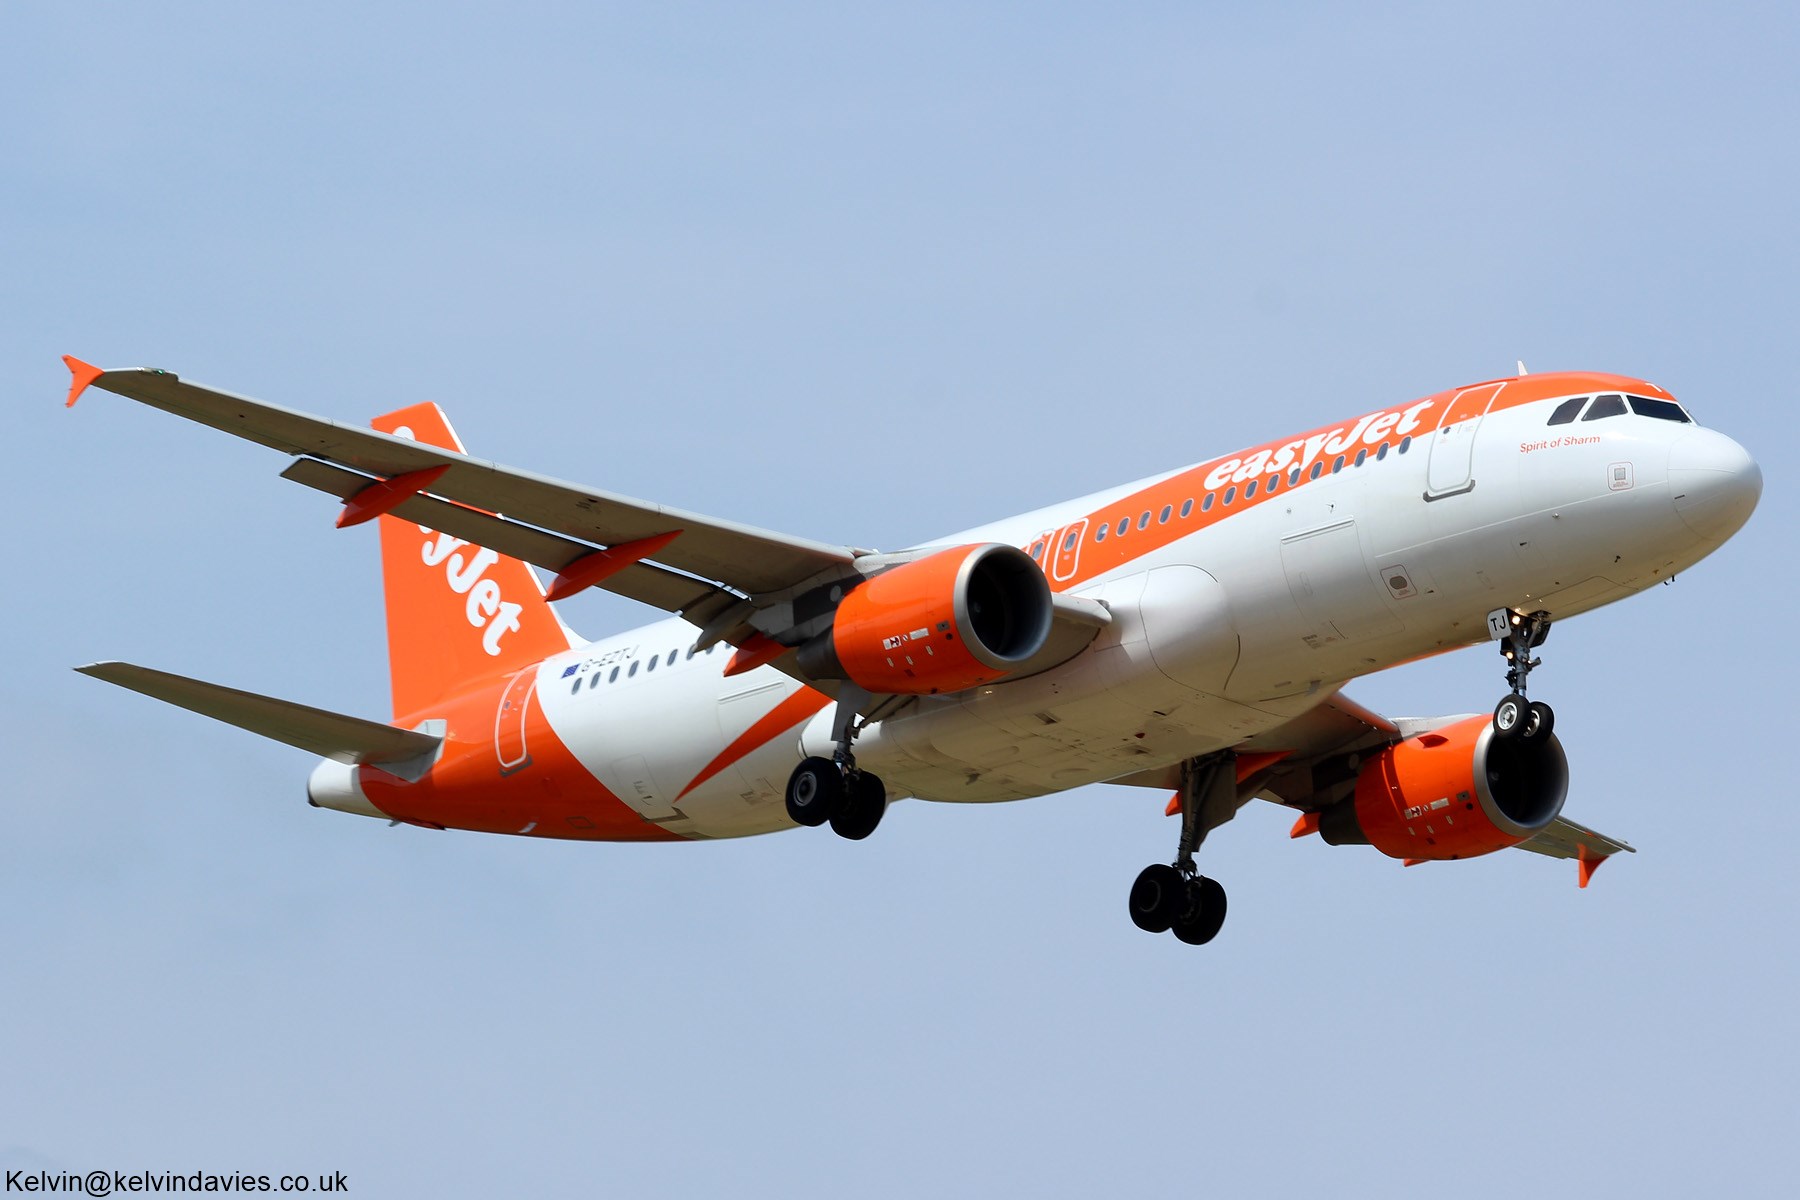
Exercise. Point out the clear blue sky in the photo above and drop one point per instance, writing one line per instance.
(872, 275)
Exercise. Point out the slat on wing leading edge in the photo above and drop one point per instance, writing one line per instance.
(748, 559)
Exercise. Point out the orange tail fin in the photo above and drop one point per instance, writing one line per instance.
(457, 613)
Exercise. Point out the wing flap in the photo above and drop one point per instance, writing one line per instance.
(316, 730)
(644, 582)
(740, 556)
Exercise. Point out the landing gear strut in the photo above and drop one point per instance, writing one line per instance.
(1520, 634)
(1177, 898)
(834, 789)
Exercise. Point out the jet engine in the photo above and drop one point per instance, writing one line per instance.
(1455, 792)
(949, 621)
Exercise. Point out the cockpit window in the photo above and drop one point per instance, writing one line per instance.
(1565, 412)
(1662, 410)
(1605, 406)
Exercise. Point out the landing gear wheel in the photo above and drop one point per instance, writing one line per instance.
(864, 802)
(1539, 721)
(1157, 898)
(1203, 913)
(815, 792)
(1510, 716)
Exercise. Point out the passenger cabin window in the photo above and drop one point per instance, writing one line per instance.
(1187, 507)
(1250, 489)
(1144, 521)
(1605, 406)
(1662, 410)
(1565, 412)
(1167, 512)
(633, 670)
(1230, 494)
(1124, 524)
(1316, 469)
(1206, 502)
(1406, 443)
(1037, 550)
(1361, 457)
(614, 677)
(1100, 533)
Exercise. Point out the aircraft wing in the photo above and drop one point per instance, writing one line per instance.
(751, 561)
(1305, 765)
(657, 586)
(1564, 838)
(751, 587)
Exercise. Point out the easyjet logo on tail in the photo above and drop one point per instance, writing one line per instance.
(486, 607)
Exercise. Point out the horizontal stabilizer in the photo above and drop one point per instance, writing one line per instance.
(331, 735)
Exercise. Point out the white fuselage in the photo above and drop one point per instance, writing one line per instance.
(1262, 611)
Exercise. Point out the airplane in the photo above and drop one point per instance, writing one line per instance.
(1190, 632)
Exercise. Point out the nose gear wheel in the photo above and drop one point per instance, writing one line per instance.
(1520, 634)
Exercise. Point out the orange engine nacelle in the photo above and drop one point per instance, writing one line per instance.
(1455, 792)
(949, 621)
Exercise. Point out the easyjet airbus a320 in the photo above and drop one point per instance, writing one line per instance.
(1188, 632)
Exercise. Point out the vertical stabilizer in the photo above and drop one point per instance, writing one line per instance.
(456, 613)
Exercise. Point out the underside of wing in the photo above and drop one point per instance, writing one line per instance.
(1418, 789)
(778, 599)
(738, 556)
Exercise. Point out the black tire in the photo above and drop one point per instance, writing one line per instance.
(1539, 721)
(815, 791)
(1203, 915)
(1157, 898)
(1510, 716)
(864, 803)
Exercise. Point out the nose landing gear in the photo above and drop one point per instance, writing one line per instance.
(834, 789)
(1520, 634)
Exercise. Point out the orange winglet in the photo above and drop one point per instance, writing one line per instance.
(386, 495)
(1586, 863)
(1308, 823)
(1412, 862)
(84, 373)
(758, 649)
(591, 569)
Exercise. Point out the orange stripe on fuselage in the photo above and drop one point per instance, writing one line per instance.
(1259, 465)
(789, 713)
(547, 789)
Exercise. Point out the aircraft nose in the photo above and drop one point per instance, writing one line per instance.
(1714, 483)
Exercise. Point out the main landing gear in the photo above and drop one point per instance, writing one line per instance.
(1177, 898)
(1520, 634)
(834, 789)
